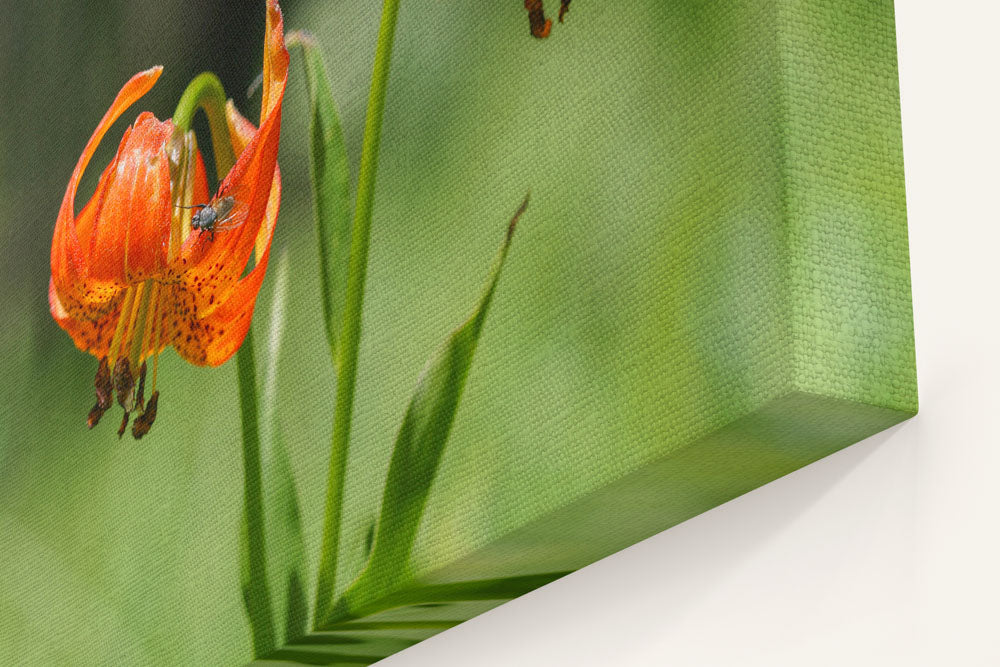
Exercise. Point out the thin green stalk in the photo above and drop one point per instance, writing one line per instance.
(205, 92)
(351, 332)
(258, 595)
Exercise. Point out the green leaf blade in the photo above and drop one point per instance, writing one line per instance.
(420, 445)
(283, 521)
(347, 345)
(253, 549)
(272, 551)
(331, 182)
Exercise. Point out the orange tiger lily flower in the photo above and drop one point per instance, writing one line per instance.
(151, 260)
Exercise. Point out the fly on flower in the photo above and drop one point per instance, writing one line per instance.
(220, 214)
(129, 275)
(214, 215)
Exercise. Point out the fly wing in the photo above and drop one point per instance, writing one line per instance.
(231, 207)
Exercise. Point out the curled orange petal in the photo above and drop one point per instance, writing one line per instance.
(131, 236)
(69, 267)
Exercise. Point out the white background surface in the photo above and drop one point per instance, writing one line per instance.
(886, 553)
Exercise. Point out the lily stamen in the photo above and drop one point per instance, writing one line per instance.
(124, 383)
(156, 345)
(140, 403)
(103, 389)
(143, 422)
(124, 314)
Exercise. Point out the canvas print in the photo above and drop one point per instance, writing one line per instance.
(331, 325)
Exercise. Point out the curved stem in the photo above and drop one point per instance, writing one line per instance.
(205, 92)
(351, 331)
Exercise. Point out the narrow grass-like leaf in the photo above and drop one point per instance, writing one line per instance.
(307, 656)
(434, 595)
(388, 636)
(285, 548)
(331, 182)
(349, 340)
(420, 445)
(505, 588)
(397, 625)
(253, 552)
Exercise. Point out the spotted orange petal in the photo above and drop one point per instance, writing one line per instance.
(210, 265)
(213, 339)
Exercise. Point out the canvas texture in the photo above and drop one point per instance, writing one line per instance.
(708, 289)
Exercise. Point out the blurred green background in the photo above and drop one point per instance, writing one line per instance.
(627, 125)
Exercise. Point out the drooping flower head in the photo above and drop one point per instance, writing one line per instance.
(152, 259)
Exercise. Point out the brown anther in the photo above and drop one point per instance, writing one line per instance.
(103, 389)
(139, 401)
(124, 425)
(124, 384)
(102, 384)
(540, 26)
(144, 422)
(563, 8)
(95, 415)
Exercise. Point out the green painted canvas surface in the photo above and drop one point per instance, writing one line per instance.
(708, 289)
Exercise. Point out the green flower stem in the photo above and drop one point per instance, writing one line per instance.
(257, 593)
(205, 92)
(351, 332)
